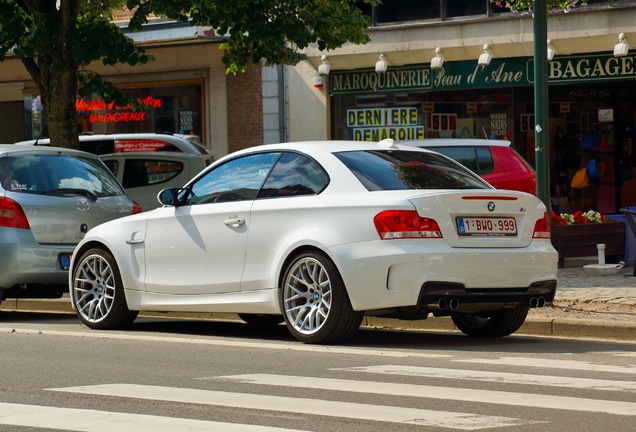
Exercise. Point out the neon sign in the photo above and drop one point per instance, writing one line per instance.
(121, 115)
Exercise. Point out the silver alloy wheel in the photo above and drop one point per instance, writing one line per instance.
(307, 296)
(94, 288)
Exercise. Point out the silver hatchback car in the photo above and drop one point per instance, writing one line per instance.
(49, 198)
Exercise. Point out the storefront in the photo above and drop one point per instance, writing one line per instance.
(172, 106)
(590, 96)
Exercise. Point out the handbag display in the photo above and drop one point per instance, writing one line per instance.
(580, 179)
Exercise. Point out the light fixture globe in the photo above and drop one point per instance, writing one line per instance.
(486, 57)
(622, 47)
(325, 67)
(381, 65)
(551, 51)
(438, 61)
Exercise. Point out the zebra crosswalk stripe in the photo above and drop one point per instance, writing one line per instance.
(383, 413)
(498, 377)
(446, 393)
(85, 420)
(551, 364)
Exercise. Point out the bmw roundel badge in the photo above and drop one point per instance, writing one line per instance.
(491, 206)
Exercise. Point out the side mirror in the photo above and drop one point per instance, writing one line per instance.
(170, 197)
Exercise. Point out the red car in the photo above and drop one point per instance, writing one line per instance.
(494, 160)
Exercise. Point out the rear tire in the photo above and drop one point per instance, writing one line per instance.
(97, 292)
(315, 303)
(499, 323)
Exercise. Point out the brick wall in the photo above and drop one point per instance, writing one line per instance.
(245, 109)
(122, 15)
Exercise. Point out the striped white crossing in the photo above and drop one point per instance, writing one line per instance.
(498, 377)
(85, 420)
(381, 413)
(439, 392)
(551, 363)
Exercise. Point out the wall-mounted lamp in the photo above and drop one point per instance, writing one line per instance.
(325, 67)
(439, 59)
(622, 47)
(551, 51)
(486, 57)
(382, 65)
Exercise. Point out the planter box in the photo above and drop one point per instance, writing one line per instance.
(581, 240)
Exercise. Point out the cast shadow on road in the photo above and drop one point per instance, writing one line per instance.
(369, 338)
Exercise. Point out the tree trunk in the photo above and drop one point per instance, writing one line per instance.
(55, 74)
(58, 89)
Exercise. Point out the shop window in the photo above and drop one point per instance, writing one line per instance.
(407, 10)
(466, 8)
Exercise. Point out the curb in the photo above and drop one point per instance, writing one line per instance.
(555, 327)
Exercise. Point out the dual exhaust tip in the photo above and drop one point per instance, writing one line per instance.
(537, 302)
(453, 304)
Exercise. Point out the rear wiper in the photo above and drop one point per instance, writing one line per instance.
(61, 191)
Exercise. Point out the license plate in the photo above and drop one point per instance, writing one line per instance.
(64, 259)
(486, 226)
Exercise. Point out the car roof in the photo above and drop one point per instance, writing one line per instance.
(328, 146)
(457, 142)
(9, 149)
(185, 145)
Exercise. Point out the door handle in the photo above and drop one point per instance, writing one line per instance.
(234, 221)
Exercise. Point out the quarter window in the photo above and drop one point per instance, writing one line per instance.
(293, 175)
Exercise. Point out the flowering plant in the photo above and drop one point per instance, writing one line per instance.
(579, 217)
(518, 5)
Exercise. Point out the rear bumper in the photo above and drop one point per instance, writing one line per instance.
(436, 296)
(25, 261)
(393, 274)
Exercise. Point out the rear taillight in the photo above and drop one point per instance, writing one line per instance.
(12, 215)
(542, 227)
(136, 208)
(401, 224)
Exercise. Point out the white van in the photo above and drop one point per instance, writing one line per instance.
(145, 163)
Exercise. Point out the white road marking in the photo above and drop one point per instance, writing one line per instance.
(84, 420)
(552, 364)
(292, 346)
(394, 414)
(617, 353)
(498, 377)
(446, 393)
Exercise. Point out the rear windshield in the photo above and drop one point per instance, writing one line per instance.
(402, 169)
(57, 173)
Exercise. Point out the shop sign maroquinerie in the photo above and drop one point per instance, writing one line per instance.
(461, 75)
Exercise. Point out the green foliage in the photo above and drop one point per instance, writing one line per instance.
(274, 30)
(559, 5)
(58, 40)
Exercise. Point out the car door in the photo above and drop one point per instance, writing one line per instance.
(199, 246)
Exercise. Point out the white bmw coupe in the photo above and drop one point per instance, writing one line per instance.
(318, 234)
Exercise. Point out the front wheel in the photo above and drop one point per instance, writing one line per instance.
(98, 293)
(499, 323)
(315, 303)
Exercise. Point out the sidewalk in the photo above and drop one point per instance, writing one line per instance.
(599, 307)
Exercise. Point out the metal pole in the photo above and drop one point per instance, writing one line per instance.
(542, 126)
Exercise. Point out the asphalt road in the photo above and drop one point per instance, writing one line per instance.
(176, 375)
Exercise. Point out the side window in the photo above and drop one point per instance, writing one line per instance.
(112, 165)
(97, 147)
(485, 162)
(294, 174)
(162, 171)
(236, 180)
(463, 155)
(135, 173)
(143, 172)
